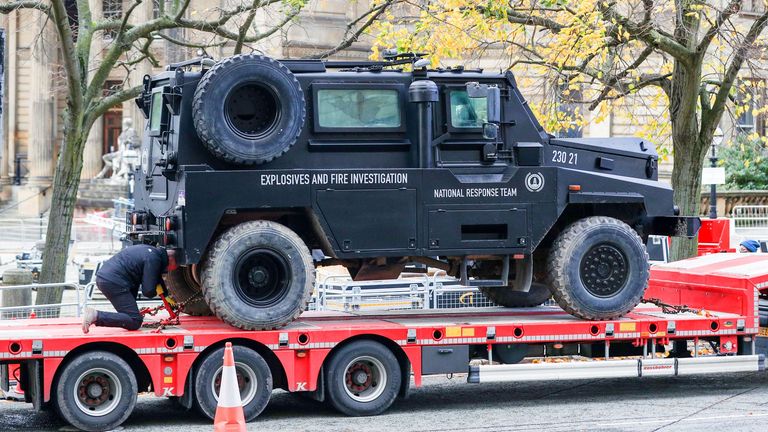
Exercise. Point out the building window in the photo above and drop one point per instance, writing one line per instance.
(467, 112)
(358, 108)
(753, 7)
(749, 98)
(111, 10)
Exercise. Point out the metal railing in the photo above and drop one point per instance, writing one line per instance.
(437, 291)
(69, 308)
(750, 221)
(19, 234)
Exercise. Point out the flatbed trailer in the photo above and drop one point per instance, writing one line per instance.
(360, 362)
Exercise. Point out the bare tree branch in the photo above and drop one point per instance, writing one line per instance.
(102, 105)
(724, 15)
(69, 56)
(646, 33)
(16, 5)
(243, 30)
(731, 73)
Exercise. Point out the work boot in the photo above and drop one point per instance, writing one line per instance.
(89, 317)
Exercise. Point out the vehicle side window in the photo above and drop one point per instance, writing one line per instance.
(156, 113)
(358, 108)
(467, 112)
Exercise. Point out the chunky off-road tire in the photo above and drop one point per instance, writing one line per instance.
(507, 297)
(254, 380)
(183, 288)
(598, 268)
(96, 391)
(258, 275)
(363, 378)
(248, 109)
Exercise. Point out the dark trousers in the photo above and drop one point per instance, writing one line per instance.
(124, 302)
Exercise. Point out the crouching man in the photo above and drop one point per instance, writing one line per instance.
(119, 279)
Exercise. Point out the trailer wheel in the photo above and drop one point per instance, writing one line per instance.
(248, 109)
(598, 268)
(363, 378)
(183, 287)
(253, 378)
(507, 297)
(258, 275)
(96, 391)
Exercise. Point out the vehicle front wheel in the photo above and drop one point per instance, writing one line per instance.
(258, 276)
(598, 268)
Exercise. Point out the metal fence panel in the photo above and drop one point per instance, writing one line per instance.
(751, 222)
(72, 306)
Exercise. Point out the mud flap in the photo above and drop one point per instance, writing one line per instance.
(674, 226)
(189, 387)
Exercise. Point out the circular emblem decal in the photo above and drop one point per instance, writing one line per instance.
(534, 182)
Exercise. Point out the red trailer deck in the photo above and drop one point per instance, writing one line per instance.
(360, 362)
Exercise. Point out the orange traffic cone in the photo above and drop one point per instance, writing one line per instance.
(229, 412)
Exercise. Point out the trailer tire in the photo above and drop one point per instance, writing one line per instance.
(598, 268)
(507, 297)
(258, 276)
(354, 376)
(96, 391)
(253, 376)
(183, 288)
(248, 109)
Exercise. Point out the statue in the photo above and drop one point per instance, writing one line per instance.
(122, 161)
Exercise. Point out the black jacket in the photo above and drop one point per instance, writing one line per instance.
(134, 266)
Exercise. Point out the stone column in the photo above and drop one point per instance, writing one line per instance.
(34, 198)
(92, 152)
(9, 105)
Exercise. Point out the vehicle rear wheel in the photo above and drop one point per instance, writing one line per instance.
(363, 378)
(507, 297)
(248, 109)
(96, 391)
(183, 287)
(598, 268)
(258, 276)
(254, 380)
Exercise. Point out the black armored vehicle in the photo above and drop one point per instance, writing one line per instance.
(257, 170)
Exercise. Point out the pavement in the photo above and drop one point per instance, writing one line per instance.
(736, 402)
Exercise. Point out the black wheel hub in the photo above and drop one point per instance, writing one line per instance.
(359, 377)
(604, 270)
(251, 109)
(94, 390)
(261, 277)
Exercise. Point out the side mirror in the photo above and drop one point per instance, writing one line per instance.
(493, 95)
(490, 131)
(494, 105)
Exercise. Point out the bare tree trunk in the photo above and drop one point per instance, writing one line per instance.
(687, 167)
(66, 181)
(686, 181)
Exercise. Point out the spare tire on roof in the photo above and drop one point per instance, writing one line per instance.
(248, 109)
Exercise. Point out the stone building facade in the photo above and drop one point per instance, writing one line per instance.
(33, 88)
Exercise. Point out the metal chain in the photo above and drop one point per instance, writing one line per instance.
(675, 309)
(177, 308)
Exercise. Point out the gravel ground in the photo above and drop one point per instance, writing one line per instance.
(728, 403)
